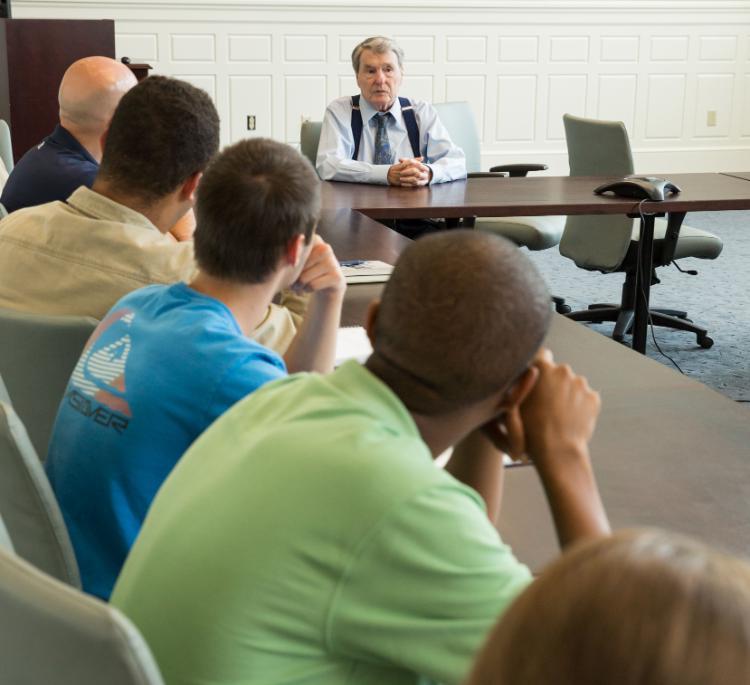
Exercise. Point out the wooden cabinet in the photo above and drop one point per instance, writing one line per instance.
(34, 54)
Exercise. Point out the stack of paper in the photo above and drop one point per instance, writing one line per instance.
(368, 271)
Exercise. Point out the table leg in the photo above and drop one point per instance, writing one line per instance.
(643, 282)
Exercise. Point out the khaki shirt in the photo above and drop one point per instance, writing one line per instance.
(80, 258)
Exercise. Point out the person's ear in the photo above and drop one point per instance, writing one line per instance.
(295, 248)
(371, 318)
(518, 391)
(187, 191)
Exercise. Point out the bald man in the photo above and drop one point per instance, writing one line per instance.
(69, 157)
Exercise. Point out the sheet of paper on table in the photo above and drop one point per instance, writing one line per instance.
(352, 343)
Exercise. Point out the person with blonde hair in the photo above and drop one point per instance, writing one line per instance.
(639, 608)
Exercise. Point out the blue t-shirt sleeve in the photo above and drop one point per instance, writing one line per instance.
(248, 373)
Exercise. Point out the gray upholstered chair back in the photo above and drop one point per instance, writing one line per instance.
(309, 137)
(4, 395)
(28, 506)
(52, 633)
(459, 121)
(37, 356)
(6, 149)
(5, 542)
(597, 148)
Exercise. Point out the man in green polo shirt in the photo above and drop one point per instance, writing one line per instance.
(308, 537)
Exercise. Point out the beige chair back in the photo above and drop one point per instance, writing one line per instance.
(52, 633)
(597, 148)
(28, 506)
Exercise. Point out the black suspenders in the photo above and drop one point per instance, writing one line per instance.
(410, 120)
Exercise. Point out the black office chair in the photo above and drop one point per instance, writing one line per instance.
(610, 243)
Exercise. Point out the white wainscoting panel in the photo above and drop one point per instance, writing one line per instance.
(306, 98)
(666, 105)
(420, 49)
(249, 48)
(140, 47)
(619, 48)
(193, 47)
(518, 49)
(669, 48)
(745, 127)
(567, 94)
(677, 73)
(617, 98)
(472, 89)
(569, 49)
(718, 48)
(714, 94)
(466, 49)
(516, 112)
(251, 94)
(305, 49)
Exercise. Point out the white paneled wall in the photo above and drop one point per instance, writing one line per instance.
(676, 72)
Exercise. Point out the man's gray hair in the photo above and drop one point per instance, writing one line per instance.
(379, 45)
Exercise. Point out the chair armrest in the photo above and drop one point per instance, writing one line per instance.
(519, 169)
(486, 174)
(671, 236)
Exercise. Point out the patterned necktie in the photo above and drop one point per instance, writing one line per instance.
(383, 154)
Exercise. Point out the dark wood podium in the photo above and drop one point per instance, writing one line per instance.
(34, 54)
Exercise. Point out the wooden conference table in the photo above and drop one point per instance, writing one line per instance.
(546, 195)
(668, 451)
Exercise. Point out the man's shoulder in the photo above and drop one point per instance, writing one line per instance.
(23, 219)
(340, 104)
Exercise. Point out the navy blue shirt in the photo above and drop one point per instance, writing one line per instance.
(50, 171)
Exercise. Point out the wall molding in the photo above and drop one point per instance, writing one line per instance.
(431, 5)
(412, 11)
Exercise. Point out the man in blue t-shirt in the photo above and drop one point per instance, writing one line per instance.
(69, 157)
(168, 360)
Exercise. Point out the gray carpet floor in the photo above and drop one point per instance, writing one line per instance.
(718, 298)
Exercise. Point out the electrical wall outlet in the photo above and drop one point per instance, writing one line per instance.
(250, 122)
(711, 117)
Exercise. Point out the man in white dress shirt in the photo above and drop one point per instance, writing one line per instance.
(377, 137)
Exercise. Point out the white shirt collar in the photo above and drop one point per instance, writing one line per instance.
(368, 111)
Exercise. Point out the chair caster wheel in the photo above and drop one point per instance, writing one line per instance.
(705, 342)
(563, 308)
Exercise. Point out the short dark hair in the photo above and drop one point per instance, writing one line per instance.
(461, 317)
(253, 199)
(163, 131)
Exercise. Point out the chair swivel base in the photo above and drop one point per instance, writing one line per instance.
(560, 306)
(623, 320)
